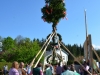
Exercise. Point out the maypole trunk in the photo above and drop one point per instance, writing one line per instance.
(53, 39)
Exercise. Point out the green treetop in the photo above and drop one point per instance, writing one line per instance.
(53, 11)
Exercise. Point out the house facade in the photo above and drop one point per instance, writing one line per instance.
(48, 56)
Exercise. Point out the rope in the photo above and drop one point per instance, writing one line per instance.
(74, 57)
(40, 50)
(43, 51)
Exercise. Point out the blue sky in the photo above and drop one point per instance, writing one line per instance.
(23, 17)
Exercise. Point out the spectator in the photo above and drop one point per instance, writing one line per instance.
(86, 68)
(58, 69)
(14, 69)
(66, 71)
(22, 70)
(28, 69)
(38, 70)
(1, 71)
(72, 68)
(48, 70)
(5, 69)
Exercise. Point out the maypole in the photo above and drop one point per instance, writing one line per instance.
(53, 12)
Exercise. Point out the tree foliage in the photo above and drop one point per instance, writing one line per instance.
(19, 49)
(26, 49)
(53, 11)
(8, 43)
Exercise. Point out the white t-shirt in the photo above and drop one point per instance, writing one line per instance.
(6, 67)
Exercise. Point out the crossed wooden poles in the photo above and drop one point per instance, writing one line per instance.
(44, 47)
(91, 50)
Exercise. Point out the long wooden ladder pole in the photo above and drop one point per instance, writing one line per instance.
(44, 50)
(40, 50)
(74, 57)
(86, 36)
(90, 52)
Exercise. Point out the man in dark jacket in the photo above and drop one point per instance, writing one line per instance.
(38, 70)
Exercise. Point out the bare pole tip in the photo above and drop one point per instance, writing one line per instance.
(85, 9)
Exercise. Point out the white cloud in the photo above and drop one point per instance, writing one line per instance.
(96, 46)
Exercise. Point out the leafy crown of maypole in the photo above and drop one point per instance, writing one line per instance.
(53, 11)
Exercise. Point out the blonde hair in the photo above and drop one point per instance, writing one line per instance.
(14, 64)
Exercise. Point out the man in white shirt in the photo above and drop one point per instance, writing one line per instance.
(5, 69)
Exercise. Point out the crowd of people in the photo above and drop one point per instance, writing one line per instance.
(22, 69)
(16, 69)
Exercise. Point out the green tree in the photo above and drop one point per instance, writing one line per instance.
(19, 39)
(53, 11)
(23, 53)
(42, 42)
(8, 43)
(74, 49)
(78, 52)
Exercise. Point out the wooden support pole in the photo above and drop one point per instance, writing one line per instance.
(31, 64)
(60, 52)
(74, 57)
(43, 51)
(86, 36)
(97, 58)
(96, 54)
(90, 53)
